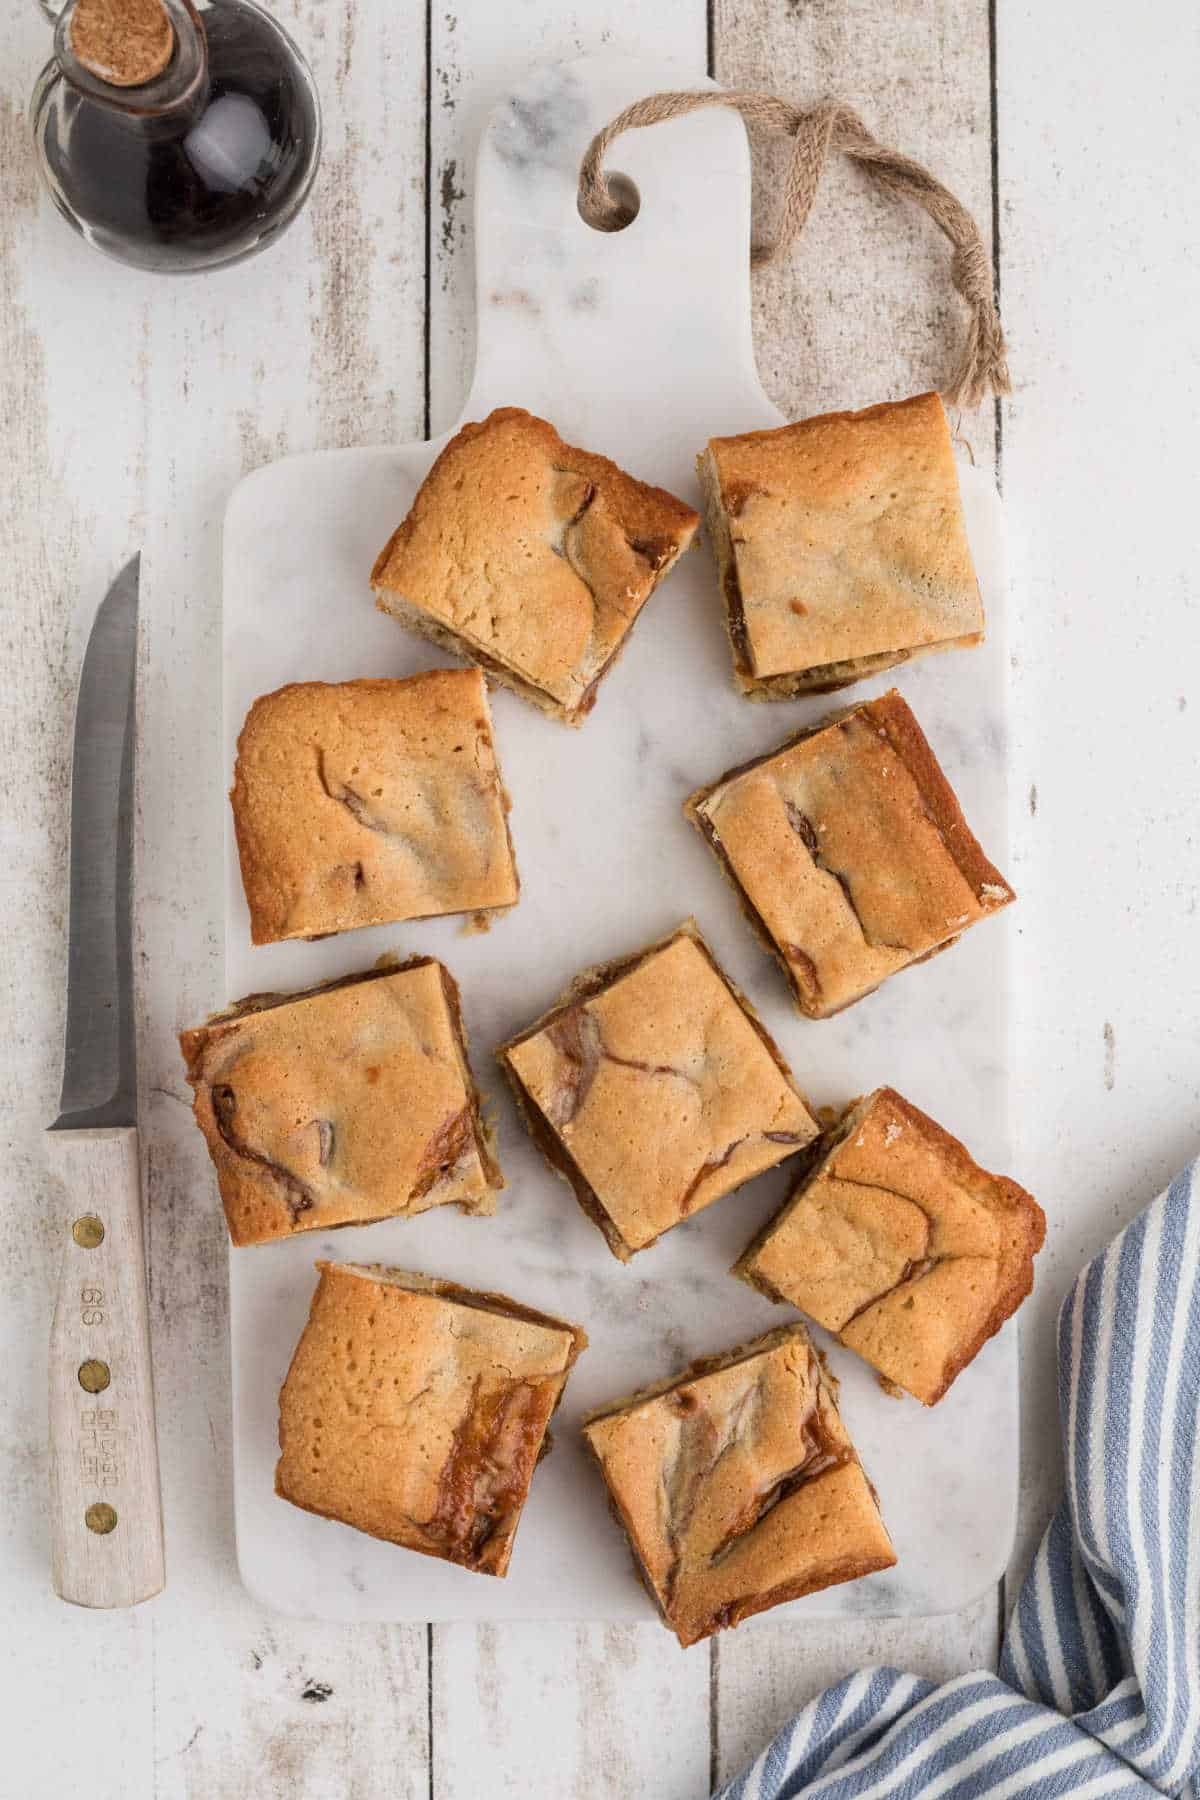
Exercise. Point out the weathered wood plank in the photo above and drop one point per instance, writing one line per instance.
(1102, 301)
(588, 1711)
(318, 343)
(287, 1710)
(763, 1674)
(597, 1712)
(130, 407)
(65, 1673)
(863, 309)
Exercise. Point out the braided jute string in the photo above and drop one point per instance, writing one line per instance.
(982, 366)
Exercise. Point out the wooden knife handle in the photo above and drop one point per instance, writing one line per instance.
(105, 1508)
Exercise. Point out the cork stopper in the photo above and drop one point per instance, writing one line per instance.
(122, 42)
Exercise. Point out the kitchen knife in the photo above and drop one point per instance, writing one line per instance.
(105, 1509)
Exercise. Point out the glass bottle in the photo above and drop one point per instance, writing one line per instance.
(197, 165)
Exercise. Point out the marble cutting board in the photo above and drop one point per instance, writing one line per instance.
(637, 344)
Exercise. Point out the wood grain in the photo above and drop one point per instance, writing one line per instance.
(106, 1533)
(1101, 295)
(80, 1683)
(761, 1679)
(590, 1711)
(285, 1711)
(863, 310)
(320, 341)
(323, 342)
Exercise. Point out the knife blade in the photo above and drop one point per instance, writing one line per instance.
(105, 1506)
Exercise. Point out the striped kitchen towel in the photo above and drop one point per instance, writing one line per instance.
(1099, 1684)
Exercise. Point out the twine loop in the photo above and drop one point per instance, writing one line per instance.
(982, 366)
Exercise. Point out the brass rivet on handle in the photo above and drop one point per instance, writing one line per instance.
(100, 1518)
(94, 1375)
(88, 1233)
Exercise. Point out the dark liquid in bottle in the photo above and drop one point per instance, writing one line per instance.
(202, 185)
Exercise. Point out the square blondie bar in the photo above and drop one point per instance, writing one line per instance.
(738, 1486)
(531, 557)
(417, 1410)
(849, 853)
(368, 802)
(653, 1089)
(900, 1243)
(841, 546)
(341, 1105)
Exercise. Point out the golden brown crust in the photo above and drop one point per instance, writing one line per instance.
(342, 1105)
(654, 1090)
(532, 557)
(416, 1410)
(841, 546)
(895, 716)
(369, 802)
(849, 853)
(738, 1486)
(900, 1243)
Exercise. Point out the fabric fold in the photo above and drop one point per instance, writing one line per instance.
(1099, 1686)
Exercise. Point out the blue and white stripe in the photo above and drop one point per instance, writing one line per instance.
(1099, 1684)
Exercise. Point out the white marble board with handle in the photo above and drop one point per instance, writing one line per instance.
(636, 344)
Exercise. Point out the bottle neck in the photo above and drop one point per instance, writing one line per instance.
(154, 63)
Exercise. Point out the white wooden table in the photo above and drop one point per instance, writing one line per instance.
(128, 403)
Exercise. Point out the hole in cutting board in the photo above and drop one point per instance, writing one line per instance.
(627, 204)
